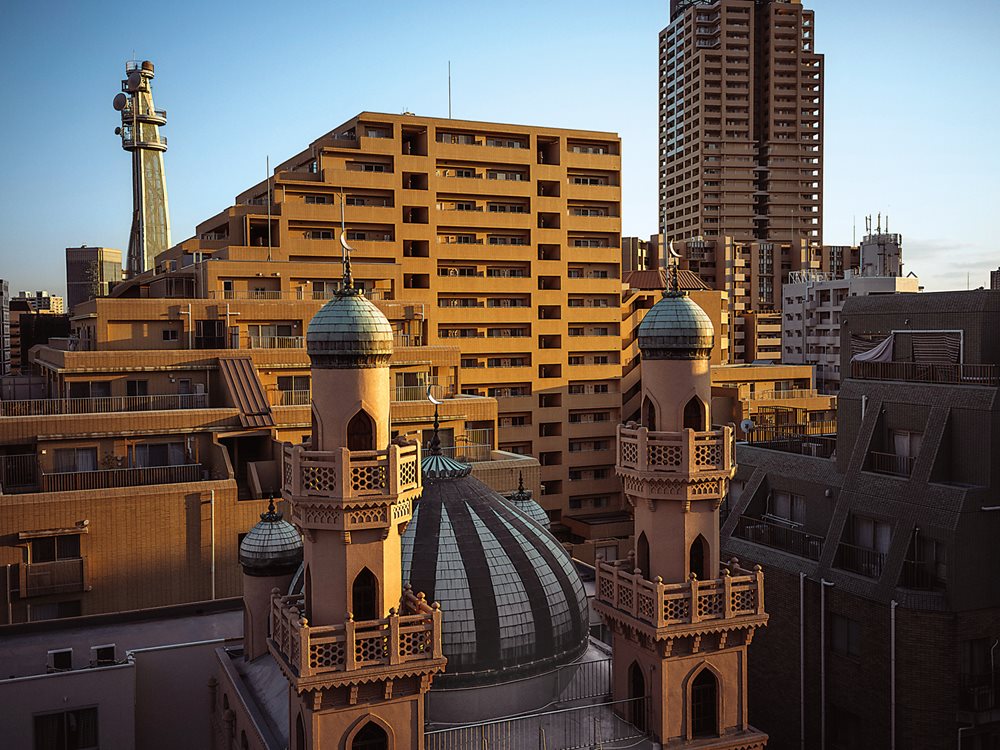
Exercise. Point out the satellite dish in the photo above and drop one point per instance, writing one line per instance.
(747, 425)
(431, 398)
(133, 82)
(120, 101)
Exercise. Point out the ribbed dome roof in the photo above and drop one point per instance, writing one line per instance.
(349, 331)
(676, 328)
(526, 504)
(512, 602)
(272, 547)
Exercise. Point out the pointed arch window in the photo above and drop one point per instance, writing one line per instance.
(705, 705)
(637, 694)
(698, 558)
(371, 737)
(649, 414)
(300, 734)
(642, 554)
(361, 432)
(694, 415)
(364, 596)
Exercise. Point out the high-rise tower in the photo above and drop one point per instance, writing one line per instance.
(140, 134)
(741, 122)
(359, 650)
(681, 623)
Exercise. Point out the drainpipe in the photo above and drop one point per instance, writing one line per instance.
(10, 604)
(892, 674)
(211, 504)
(864, 406)
(963, 729)
(802, 661)
(822, 660)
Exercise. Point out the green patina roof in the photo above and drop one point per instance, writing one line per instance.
(349, 326)
(676, 322)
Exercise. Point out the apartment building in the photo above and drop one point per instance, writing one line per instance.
(878, 541)
(641, 255)
(91, 272)
(775, 397)
(4, 327)
(812, 301)
(43, 301)
(503, 240)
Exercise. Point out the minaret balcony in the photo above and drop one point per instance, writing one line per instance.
(407, 642)
(668, 610)
(347, 490)
(687, 465)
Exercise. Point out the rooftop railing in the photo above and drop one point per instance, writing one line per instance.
(738, 593)
(785, 395)
(928, 372)
(66, 481)
(819, 446)
(308, 650)
(779, 536)
(102, 404)
(776, 432)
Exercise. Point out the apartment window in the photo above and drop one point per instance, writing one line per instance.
(845, 636)
(158, 454)
(787, 507)
(67, 730)
(319, 234)
(576, 360)
(602, 359)
(170, 334)
(465, 173)
(53, 548)
(465, 206)
(76, 459)
(293, 383)
(320, 199)
(373, 168)
(136, 387)
(906, 443)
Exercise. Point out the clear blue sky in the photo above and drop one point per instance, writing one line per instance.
(911, 125)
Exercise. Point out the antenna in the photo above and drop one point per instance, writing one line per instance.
(267, 176)
(449, 89)
(854, 229)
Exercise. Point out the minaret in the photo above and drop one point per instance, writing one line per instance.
(140, 134)
(358, 650)
(681, 623)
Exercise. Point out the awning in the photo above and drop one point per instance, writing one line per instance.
(247, 392)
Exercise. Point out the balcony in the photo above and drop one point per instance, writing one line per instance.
(642, 450)
(787, 395)
(861, 560)
(421, 392)
(817, 446)
(56, 577)
(18, 473)
(69, 481)
(344, 473)
(926, 372)
(739, 593)
(102, 405)
(920, 576)
(306, 651)
(779, 536)
(291, 398)
(276, 342)
(889, 463)
(762, 434)
(978, 691)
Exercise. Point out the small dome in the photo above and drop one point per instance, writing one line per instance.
(349, 332)
(676, 328)
(271, 548)
(512, 603)
(526, 504)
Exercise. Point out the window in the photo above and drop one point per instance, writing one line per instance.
(170, 334)
(52, 548)
(906, 443)
(68, 730)
(319, 199)
(76, 459)
(373, 168)
(465, 173)
(293, 383)
(704, 705)
(845, 636)
(158, 454)
(870, 534)
(788, 507)
(137, 387)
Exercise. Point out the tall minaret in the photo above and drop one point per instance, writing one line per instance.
(140, 134)
(681, 623)
(358, 650)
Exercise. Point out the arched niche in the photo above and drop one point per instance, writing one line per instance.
(364, 596)
(698, 557)
(695, 415)
(361, 432)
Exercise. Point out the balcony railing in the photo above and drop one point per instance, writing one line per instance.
(820, 446)
(419, 392)
(889, 463)
(639, 448)
(44, 407)
(65, 481)
(738, 593)
(927, 372)
(867, 562)
(18, 472)
(773, 432)
(345, 473)
(468, 452)
(791, 394)
(56, 577)
(307, 651)
(978, 691)
(276, 342)
(291, 398)
(779, 536)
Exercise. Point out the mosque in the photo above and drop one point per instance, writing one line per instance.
(404, 604)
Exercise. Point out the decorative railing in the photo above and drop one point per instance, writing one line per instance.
(779, 536)
(414, 634)
(889, 463)
(644, 450)
(927, 372)
(862, 560)
(55, 577)
(738, 593)
(43, 407)
(276, 342)
(347, 473)
(107, 478)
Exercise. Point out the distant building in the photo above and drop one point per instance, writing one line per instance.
(91, 272)
(4, 327)
(995, 279)
(639, 254)
(43, 301)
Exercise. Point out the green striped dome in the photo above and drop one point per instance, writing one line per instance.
(349, 332)
(676, 328)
